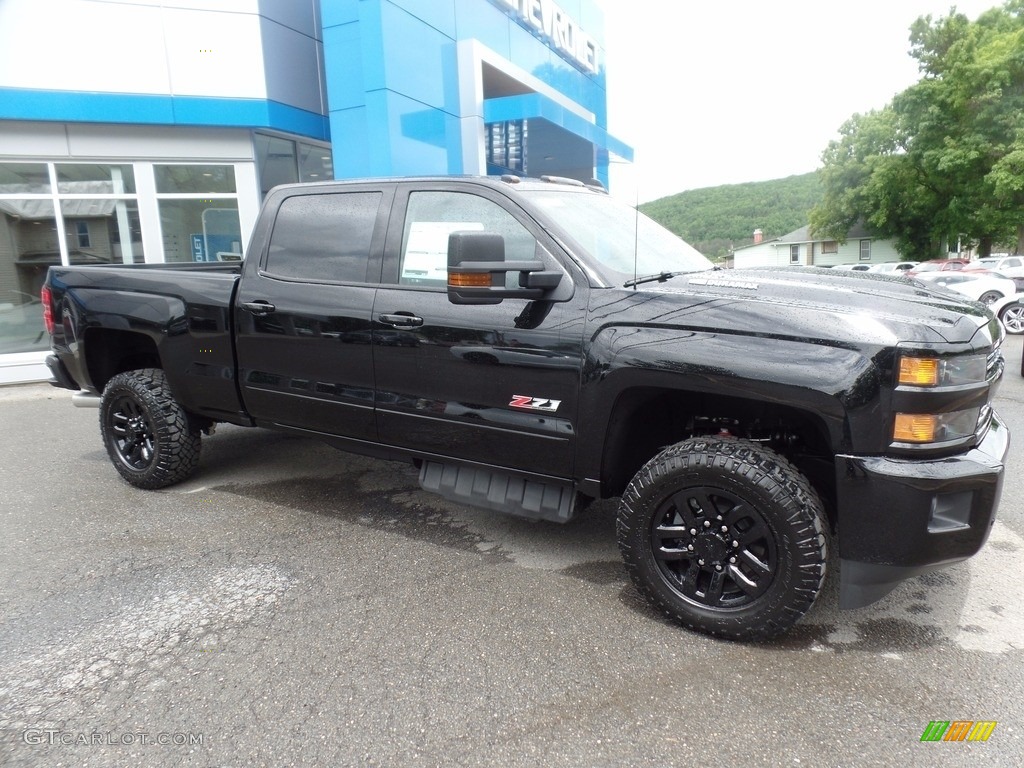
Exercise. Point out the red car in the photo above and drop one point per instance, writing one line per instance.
(938, 265)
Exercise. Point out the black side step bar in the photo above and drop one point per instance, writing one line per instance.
(500, 492)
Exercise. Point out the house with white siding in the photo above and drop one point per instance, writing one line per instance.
(799, 249)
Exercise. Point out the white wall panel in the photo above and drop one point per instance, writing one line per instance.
(134, 47)
(82, 46)
(214, 54)
(227, 6)
(156, 142)
(24, 139)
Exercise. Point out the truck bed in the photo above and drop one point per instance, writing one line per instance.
(175, 316)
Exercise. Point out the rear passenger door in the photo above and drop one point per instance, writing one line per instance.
(303, 319)
(494, 384)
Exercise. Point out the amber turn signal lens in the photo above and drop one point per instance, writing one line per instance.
(919, 371)
(469, 279)
(914, 428)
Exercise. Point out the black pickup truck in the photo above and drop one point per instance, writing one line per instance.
(534, 344)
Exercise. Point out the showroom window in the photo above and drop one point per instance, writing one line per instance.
(198, 212)
(283, 161)
(506, 145)
(100, 211)
(52, 214)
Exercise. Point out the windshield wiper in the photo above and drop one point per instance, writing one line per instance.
(661, 277)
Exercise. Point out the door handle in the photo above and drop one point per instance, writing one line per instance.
(259, 307)
(401, 320)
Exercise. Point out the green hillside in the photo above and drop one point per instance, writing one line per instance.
(715, 219)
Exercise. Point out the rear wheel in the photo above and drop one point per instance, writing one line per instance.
(1012, 317)
(146, 431)
(989, 297)
(724, 536)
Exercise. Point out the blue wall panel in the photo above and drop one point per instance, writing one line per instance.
(334, 12)
(416, 58)
(351, 145)
(145, 109)
(343, 49)
(419, 136)
(440, 14)
(393, 87)
(478, 20)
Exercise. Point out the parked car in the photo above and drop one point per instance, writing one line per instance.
(893, 267)
(1011, 266)
(1010, 311)
(985, 287)
(854, 267)
(938, 265)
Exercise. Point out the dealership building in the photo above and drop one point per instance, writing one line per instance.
(149, 131)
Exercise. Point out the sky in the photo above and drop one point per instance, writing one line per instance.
(728, 91)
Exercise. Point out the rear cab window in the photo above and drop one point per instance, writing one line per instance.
(324, 237)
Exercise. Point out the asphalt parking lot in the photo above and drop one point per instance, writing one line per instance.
(292, 605)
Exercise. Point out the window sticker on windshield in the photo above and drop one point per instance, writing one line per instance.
(426, 252)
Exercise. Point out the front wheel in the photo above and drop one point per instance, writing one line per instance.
(724, 536)
(146, 431)
(1012, 317)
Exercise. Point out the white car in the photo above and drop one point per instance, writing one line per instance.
(893, 267)
(1010, 311)
(853, 267)
(985, 287)
(1011, 266)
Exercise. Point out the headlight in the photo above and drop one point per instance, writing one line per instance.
(941, 371)
(920, 428)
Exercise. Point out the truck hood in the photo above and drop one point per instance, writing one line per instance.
(811, 302)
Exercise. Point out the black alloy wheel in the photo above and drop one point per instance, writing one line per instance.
(131, 433)
(147, 433)
(713, 548)
(725, 536)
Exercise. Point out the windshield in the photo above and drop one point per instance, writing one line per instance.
(618, 237)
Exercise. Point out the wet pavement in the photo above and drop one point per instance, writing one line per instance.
(293, 605)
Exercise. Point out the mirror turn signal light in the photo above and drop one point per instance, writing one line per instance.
(919, 371)
(470, 279)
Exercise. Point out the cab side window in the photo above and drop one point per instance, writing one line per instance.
(323, 237)
(432, 216)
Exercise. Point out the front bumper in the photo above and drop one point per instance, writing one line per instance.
(900, 518)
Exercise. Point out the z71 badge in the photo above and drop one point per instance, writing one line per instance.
(535, 403)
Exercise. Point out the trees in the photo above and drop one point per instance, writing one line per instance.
(945, 158)
(714, 219)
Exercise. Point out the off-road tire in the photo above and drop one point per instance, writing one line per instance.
(724, 536)
(146, 431)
